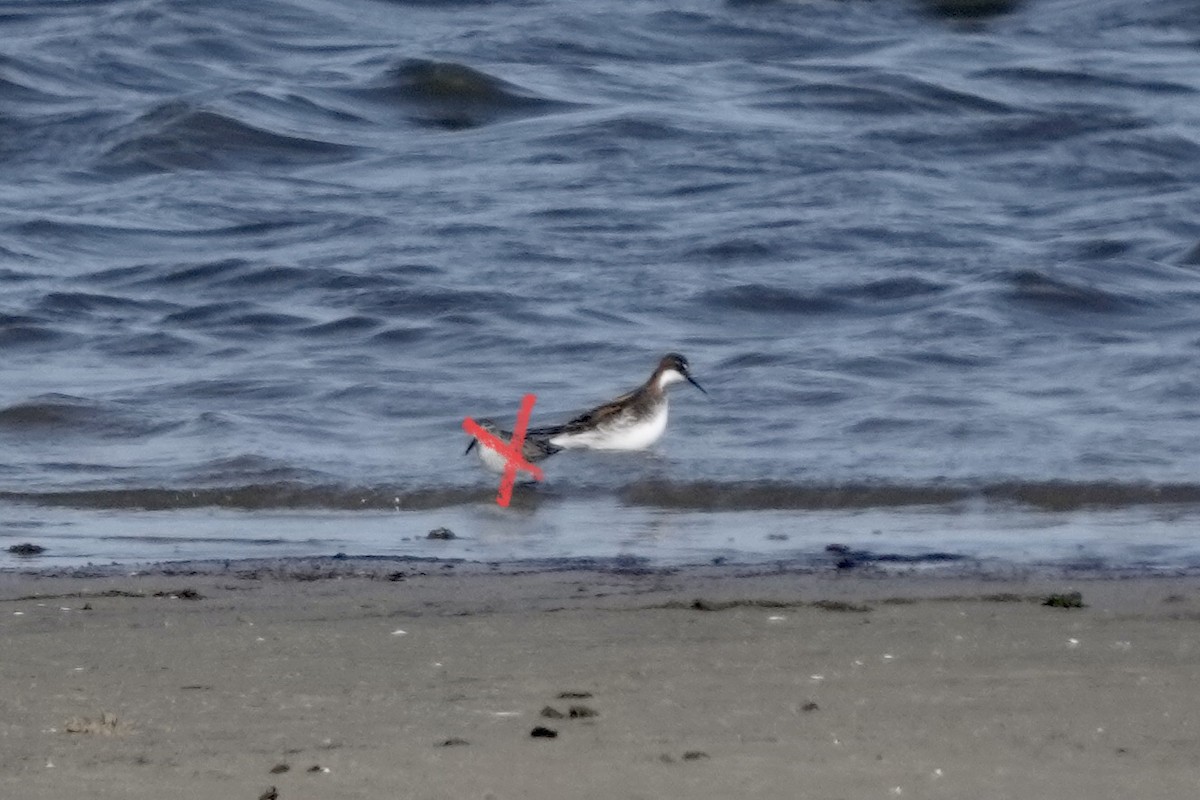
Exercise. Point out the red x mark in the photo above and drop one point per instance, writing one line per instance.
(513, 459)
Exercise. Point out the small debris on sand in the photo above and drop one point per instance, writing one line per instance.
(269, 794)
(841, 605)
(810, 706)
(278, 769)
(1065, 600)
(550, 712)
(441, 533)
(26, 549)
(574, 695)
(107, 724)
(695, 755)
(182, 594)
(453, 741)
(582, 712)
(543, 733)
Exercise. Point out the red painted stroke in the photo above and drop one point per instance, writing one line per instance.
(513, 459)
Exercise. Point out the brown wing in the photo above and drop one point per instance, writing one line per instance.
(597, 416)
(586, 420)
(536, 450)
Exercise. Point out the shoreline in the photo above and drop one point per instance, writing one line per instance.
(353, 677)
(835, 562)
(1156, 538)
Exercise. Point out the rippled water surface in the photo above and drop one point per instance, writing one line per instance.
(263, 258)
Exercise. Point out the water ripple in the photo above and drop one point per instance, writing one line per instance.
(941, 244)
(454, 96)
(179, 136)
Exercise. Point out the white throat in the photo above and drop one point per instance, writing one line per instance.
(669, 377)
(491, 458)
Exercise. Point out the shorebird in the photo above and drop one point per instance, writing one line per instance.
(533, 449)
(633, 421)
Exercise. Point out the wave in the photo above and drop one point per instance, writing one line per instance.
(178, 136)
(971, 9)
(255, 497)
(74, 305)
(1084, 80)
(1045, 496)
(872, 93)
(760, 298)
(763, 298)
(1049, 496)
(1036, 289)
(443, 94)
(60, 413)
(20, 330)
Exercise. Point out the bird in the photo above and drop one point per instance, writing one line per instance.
(533, 449)
(633, 421)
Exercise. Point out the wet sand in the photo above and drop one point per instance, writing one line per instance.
(379, 678)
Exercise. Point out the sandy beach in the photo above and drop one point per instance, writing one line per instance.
(374, 678)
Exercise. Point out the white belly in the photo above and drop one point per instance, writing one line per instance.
(490, 458)
(618, 437)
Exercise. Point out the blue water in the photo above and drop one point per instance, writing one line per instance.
(260, 260)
